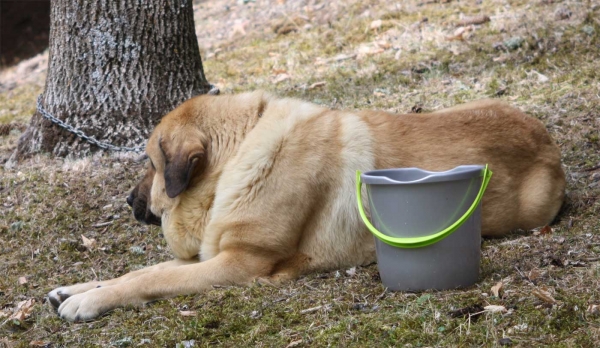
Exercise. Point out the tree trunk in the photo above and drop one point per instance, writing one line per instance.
(115, 68)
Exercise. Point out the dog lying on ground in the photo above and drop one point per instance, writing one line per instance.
(253, 187)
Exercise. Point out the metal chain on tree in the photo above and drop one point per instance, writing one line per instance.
(213, 91)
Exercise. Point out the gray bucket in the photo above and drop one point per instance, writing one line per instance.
(427, 225)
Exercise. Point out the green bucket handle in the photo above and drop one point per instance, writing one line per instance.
(418, 242)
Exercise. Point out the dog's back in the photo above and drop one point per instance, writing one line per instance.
(528, 185)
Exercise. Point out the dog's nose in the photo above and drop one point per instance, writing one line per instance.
(130, 199)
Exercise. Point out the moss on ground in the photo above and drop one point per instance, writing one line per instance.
(47, 204)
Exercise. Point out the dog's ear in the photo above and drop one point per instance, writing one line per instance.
(179, 168)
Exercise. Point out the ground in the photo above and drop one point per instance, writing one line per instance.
(540, 55)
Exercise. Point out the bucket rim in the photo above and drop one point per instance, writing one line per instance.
(462, 172)
(418, 242)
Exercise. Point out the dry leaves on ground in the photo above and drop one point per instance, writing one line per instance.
(534, 274)
(23, 310)
(317, 84)
(481, 19)
(89, 244)
(460, 34)
(496, 289)
(294, 344)
(495, 309)
(543, 231)
(281, 77)
(544, 295)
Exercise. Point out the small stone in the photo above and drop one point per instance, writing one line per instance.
(186, 344)
(514, 42)
(505, 341)
(16, 226)
(136, 250)
(123, 342)
(588, 29)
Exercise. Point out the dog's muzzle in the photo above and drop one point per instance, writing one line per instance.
(139, 204)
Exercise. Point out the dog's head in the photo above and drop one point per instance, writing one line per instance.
(178, 149)
(176, 153)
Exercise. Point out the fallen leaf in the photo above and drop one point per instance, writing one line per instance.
(594, 309)
(501, 59)
(544, 230)
(544, 295)
(495, 309)
(542, 78)
(317, 84)
(293, 344)
(23, 310)
(473, 20)
(496, 289)
(22, 280)
(368, 50)
(238, 28)
(39, 344)
(534, 274)
(459, 34)
(187, 313)
(88, 243)
(383, 44)
(281, 77)
(376, 24)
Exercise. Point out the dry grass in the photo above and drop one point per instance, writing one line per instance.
(403, 61)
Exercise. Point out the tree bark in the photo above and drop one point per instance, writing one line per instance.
(115, 68)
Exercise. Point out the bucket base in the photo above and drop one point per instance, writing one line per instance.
(448, 264)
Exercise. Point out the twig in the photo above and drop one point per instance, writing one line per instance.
(311, 287)
(310, 310)
(102, 224)
(524, 276)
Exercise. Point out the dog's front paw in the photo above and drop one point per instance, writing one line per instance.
(59, 295)
(87, 306)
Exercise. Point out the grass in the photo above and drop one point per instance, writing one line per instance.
(46, 204)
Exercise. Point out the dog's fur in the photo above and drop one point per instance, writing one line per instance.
(251, 187)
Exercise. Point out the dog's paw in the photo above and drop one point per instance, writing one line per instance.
(86, 306)
(59, 295)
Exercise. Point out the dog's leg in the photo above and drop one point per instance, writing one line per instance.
(58, 295)
(230, 267)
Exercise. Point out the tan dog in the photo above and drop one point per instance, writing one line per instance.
(252, 187)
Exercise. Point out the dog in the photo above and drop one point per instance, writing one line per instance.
(252, 187)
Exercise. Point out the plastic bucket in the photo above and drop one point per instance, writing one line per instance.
(427, 225)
